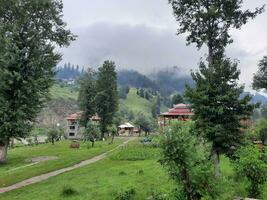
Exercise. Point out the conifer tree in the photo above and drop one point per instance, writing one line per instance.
(87, 94)
(260, 78)
(216, 95)
(107, 95)
(29, 32)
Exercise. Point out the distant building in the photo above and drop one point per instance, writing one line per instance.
(73, 125)
(126, 129)
(181, 112)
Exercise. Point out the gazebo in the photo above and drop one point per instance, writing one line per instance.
(181, 112)
(126, 129)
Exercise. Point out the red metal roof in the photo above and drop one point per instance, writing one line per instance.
(179, 109)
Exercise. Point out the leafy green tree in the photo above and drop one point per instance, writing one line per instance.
(87, 95)
(177, 98)
(112, 129)
(251, 165)
(29, 32)
(260, 78)
(261, 131)
(145, 123)
(55, 134)
(187, 161)
(209, 21)
(107, 95)
(218, 107)
(215, 98)
(91, 132)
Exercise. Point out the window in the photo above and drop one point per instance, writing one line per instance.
(72, 127)
(71, 134)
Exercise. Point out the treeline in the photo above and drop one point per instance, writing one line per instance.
(68, 71)
(166, 81)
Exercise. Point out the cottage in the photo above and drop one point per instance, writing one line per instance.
(73, 125)
(181, 112)
(126, 129)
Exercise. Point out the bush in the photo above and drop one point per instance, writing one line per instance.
(126, 194)
(122, 173)
(187, 161)
(140, 172)
(68, 191)
(251, 164)
(155, 195)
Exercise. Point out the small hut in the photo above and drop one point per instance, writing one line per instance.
(126, 129)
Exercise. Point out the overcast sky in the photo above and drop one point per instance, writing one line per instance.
(141, 35)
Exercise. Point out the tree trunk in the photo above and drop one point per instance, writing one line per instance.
(3, 150)
(93, 143)
(216, 162)
(112, 139)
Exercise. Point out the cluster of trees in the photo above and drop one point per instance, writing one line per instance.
(29, 33)
(98, 95)
(216, 100)
(146, 93)
(68, 71)
(123, 92)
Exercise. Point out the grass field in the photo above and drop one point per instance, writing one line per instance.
(65, 92)
(103, 180)
(17, 170)
(133, 167)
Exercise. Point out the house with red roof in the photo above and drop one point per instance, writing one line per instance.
(73, 125)
(181, 112)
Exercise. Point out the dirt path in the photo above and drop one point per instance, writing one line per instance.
(42, 177)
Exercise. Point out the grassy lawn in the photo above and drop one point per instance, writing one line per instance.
(12, 172)
(134, 166)
(125, 168)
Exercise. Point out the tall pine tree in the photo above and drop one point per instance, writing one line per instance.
(107, 95)
(29, 32)
(216, 96)
(87, 94)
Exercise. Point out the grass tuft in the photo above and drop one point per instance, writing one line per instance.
(68, 191)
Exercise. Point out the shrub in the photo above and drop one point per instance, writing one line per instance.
(126, 194)
(155, 195)
(140, 172)
(251, 164)
(68, 191)
(122, 173)
(187, 161)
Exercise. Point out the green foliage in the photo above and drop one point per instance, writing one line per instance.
(126, 194)
(91, 132)
(260, 131)
(217, 105)
(177, 98)
(147, 124)
(107, 95)
(55, 134)
(87, 94)
(209, 21)
(29, 32)
(123, 91)
(251, 164)
(68, 191)
(187, 161)
(259, 79)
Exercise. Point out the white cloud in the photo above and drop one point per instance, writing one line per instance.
(140, 34)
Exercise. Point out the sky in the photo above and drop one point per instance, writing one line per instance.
(141, 35)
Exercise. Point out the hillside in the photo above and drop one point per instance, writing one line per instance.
(137, 104)
(65, 92)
